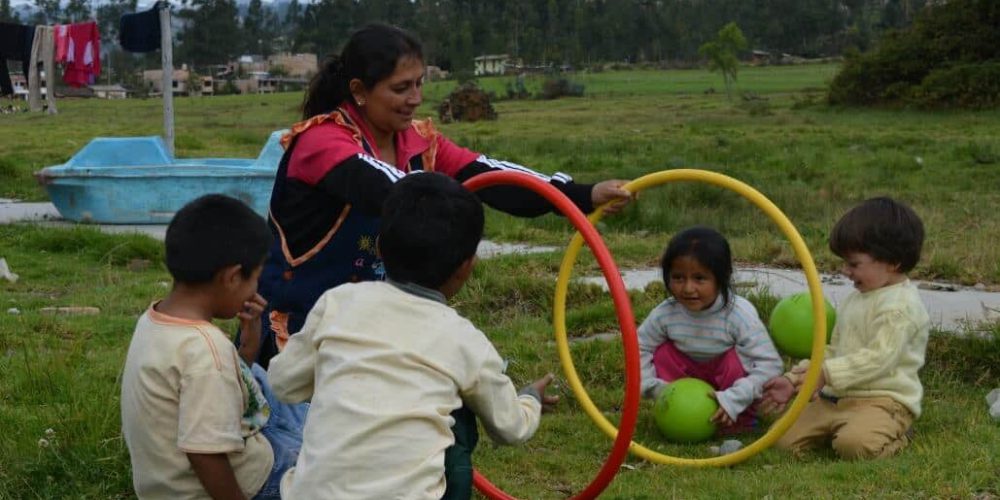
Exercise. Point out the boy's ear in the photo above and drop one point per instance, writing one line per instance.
(230, 276)
(465, 268)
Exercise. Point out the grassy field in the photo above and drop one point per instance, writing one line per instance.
(62, 372)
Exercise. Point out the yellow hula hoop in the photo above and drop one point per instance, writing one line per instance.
(818, 307)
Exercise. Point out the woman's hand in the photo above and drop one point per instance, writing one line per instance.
(611, 190)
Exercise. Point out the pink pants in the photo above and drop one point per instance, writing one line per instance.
(721, 372)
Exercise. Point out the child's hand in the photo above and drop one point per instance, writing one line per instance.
(720, 418)
(777, 392)
(798, 373)
(250, 327)
(548, 402)
(820, 383)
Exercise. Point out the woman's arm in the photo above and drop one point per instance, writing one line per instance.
(463, 164)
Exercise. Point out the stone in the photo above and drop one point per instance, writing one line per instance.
(71, 310)
(6, 273)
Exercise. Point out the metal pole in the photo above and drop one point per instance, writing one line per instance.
(167, 57)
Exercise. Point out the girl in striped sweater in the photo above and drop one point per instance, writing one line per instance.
(706, 331)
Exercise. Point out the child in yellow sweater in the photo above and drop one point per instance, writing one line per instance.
(869, 392)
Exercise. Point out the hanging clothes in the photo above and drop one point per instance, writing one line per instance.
(42, 52)
(61, 42)
(83, 53)
(140, 32)
(15, 44)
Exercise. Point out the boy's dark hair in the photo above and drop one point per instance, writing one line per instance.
(709, 248)
(214, 232)
(884, 228)
(430, 225)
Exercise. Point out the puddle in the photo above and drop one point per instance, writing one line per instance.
(962, 309)
(45, 214)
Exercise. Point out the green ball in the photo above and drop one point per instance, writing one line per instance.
(684, 409)
(791, 325)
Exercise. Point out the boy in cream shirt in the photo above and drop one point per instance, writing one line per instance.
(869, 390)
(198, 419)
(386, 364)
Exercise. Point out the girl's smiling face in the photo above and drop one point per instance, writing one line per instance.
(692, 284)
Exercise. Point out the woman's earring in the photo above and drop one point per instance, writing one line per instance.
(361, 101)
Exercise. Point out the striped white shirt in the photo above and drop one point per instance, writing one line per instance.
(704, 335)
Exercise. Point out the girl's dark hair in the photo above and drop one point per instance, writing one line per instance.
(370, 55)
(884, 228)
(706, 246)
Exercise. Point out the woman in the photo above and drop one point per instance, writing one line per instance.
(359, 136)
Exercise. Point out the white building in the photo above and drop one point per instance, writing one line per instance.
(493, 64)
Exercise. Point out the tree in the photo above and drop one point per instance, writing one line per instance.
(212, 32)
(256, 32)
(722, 53)
(7, 14)
(47, 12)
(76, 11)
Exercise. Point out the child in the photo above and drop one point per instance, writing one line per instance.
(706, 331)
(869, 390)
(194, 418)
(385, 363)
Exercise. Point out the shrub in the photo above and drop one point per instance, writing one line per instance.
(554, 88)
(963, 86)
(949, 57)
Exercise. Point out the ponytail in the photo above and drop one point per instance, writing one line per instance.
(370, 55)
(327, 89)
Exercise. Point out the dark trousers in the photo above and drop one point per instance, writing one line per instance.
(458, 457)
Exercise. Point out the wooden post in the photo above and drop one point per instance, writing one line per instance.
(167, 58)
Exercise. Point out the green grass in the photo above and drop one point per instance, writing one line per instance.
(61, 372)
(814, 162)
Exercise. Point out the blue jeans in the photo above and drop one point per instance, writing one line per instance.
(284, 431)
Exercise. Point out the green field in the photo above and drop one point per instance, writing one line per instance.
(61, 372)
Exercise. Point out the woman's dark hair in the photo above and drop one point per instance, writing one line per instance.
(370, 55)
(430, 226)
(214, 232)
(706, 246)
(884, 228)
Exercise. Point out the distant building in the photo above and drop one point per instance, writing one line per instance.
(759, 57)
(293, 65)
(152, 79)
(207, 85)
(115, 91)
(495, 64)
(435, 73)
(20, 84)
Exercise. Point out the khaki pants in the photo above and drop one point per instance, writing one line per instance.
(857, 428)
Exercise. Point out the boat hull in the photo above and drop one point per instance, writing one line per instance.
(135, 180)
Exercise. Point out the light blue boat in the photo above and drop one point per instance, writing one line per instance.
(135, 180)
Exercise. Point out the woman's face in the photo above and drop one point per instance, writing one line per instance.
(390, 104)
